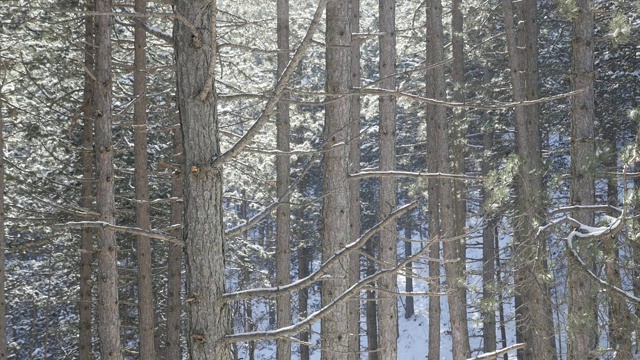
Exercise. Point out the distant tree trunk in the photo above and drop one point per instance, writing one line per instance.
(283, 252)
(620, 323)
(489, 295)
(335, 212)
(582, 320)
(108, 315)
(3, 304)
(409, 310)
(146, 312)
(86, 201)
(208, 322)
(438, 153)
(387, 302)
(353, 307)
(534, 321)
(303, 294)
(174, 281)
(245, 281)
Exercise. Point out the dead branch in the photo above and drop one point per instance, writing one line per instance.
(126, 229)
(495, 354)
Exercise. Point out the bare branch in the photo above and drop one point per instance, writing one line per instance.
(278, 91)
(495, 354)
(126, 229)
(316, 316)
(324, 268)
(369, 173)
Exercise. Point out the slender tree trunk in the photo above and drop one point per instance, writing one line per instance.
(437, 130)
(582, 321)
(534, 321)
(283, 252)
(353, 307)
(303, 271)
(86, 242)
(335, 212)
(174, 281)
(208, 322)
(145, 288)
(489, 294)
(3, 304)
(409, 310)
(108, 316)
(387, 302)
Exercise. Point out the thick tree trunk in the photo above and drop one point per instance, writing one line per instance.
(335, 212)
(353, 307)
(86, 201)
(534, 322)
(174, 277)
(208, 322)
(438, 151)
(283, 252)
(582, 332)
(387, 302)
(146, 313)
(108, 316)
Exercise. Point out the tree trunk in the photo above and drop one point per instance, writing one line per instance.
(387, 302)
(371, 308)
(208, 322)
(489, 295)
(86, 201)
(582, 333)
(409, 310)
(3, 304)
(335, 212)
(534, 322)
(108, 316)
(146, 312)
(438, 151)
(303, 294)
(353, 307)
(174, 281)
(283, 252)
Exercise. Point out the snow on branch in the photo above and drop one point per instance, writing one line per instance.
(324, 268)
(316, 316)
(495, 354)
(369, 173)
(126, 229)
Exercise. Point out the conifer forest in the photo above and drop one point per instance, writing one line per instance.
(320, 179)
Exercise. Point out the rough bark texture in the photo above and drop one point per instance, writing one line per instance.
(438, 153)
(174, 277)
(353, 307)
(303, 294)
(335, 212)
(582, 332)
(208, 322)
(533, 320)
(86, 242)
(408, 284)
(283, 252)
(3, 304)
(387, 303)
(146, 314)
(108, 316)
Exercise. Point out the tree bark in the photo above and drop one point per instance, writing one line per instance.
(208, 322)
(387, 302)
(146, 312)
(174, 277)
(534, 323)
(409, 310)
(489, 295)
(438, 152)
(108, 311)
(582, 333)
(283, 252)
(86, 200)
(353, 307)
(303, 271)
(3, 303)
(335, 212)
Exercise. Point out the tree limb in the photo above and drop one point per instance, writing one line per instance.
(495, 354)
(126, 229)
